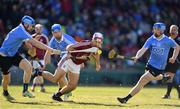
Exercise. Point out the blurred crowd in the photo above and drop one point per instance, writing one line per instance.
(126, 24)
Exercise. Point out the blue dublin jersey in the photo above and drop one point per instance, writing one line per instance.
(63, 43)
(14, 40)
(159, 50)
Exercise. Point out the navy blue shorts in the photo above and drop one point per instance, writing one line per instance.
(7, 62)
(154, 71)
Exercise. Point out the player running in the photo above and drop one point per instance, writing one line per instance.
(70, 64)
(9, 54)
(159, 45)
(171, 69)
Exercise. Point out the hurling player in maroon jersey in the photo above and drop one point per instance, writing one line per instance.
(38, 57)
(70, 64)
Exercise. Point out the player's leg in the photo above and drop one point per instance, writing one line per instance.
(5, 64)
(73, 71)
(63, 82)
(6, 77)
(25, 65)
(34, 84)
(33, 87)
(41, 82)
(145, 78)
(169, 85)
(41, 63)
(5, 81)
(73, 79)
(59, 73)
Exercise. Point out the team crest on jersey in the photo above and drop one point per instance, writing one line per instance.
(158, 50)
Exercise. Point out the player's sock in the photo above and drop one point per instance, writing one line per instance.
(125, 99)
(5, 93)
(58, 94)
(25, 87)
(128, 97)
(169, 88)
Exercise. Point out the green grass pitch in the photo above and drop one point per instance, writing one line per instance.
(97, 97)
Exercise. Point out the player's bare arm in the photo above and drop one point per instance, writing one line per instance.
(42, 46)
(140, 53)
(97, 61)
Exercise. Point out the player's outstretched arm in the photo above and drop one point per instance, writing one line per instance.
(43, 46)
(140, 53)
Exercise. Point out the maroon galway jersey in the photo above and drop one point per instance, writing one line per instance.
(39, 52)
(80, 46)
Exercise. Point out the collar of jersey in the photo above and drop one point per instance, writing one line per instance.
(61, 38)
(160, 38)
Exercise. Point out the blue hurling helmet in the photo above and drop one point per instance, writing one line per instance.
(160, 26)
(28, 20)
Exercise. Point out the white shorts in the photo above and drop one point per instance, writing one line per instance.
(36, 64)
(68, 65)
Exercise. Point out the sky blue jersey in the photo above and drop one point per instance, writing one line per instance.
(14, 40)
(62, 44)
(159, 50)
